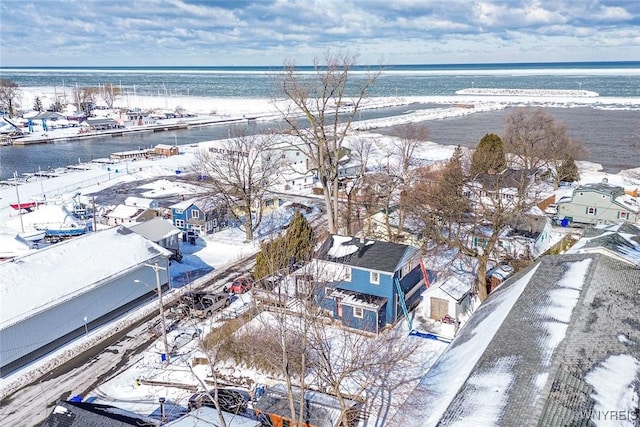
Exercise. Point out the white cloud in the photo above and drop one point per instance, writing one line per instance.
(196, 32)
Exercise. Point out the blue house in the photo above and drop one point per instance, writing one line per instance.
(202, 216)
(368, 276)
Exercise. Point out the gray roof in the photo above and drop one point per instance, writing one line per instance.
(620, 240)
(155, 229)
(508, 178)
(601, 187)
(526, 354)
(370, 254)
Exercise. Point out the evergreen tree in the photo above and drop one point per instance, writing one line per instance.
(488, 156)
(568, 171)
(279, 254)
(37, 104)
(448, 194)
(270, 259)
(56, 107)
(299, 239)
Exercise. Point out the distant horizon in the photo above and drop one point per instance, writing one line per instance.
(460, 65)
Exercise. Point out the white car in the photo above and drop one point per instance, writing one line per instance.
(552, 209)
(180, 337)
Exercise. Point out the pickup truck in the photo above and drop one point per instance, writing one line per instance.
(185, 304)
(209, 304)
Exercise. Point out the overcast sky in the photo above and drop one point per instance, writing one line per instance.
(267, 32)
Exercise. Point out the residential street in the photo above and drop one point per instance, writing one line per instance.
(30, 405)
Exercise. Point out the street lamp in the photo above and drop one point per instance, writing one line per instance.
(86, 330)
(157, 269)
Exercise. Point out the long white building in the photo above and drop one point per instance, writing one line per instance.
(58, 293)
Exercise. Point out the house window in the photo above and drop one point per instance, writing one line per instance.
(347, 274)
(591, 210)
(623, 215)
(374, 277)
(195, 214)
(268, 203)
(180, 223)
(179, 211)
(358, 312)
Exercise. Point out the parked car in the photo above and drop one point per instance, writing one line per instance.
(241, 285)
(552, 209)
(230, 400)
(185, 303)
(178, 338)
(209, 304)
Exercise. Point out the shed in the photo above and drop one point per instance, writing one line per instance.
(161, 232)
(321, 410)
(166, 150)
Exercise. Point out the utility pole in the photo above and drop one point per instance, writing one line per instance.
(93, 213)
(15, 181)
(157, 269)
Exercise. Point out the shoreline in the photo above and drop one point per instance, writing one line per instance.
(46, 138)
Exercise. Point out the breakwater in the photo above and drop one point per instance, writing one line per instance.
(527, 92)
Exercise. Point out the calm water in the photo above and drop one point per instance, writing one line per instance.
(605, 132)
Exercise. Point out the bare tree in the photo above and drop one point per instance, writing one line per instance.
(563, 148)
(412, 137)
(240, 172)
(8, 92)
(110, 93)
(535, 138)
(85, 97)
(360, 152)
(470, 215)
(351, 364)
(322, 109)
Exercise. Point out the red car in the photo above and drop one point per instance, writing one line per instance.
(241, 285)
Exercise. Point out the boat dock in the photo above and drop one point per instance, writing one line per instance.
(51, 137)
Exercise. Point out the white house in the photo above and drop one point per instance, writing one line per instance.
(295, 172)
(123, 214)
(141, 202)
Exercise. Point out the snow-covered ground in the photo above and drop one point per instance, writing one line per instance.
(221, 249)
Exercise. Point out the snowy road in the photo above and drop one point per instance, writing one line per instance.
(30, 405)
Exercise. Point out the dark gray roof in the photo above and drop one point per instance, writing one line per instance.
(83, 414)
(623, 227)
(370, 254)
(508, 178)
(527, 225)
(525, 354)
(621, 240)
